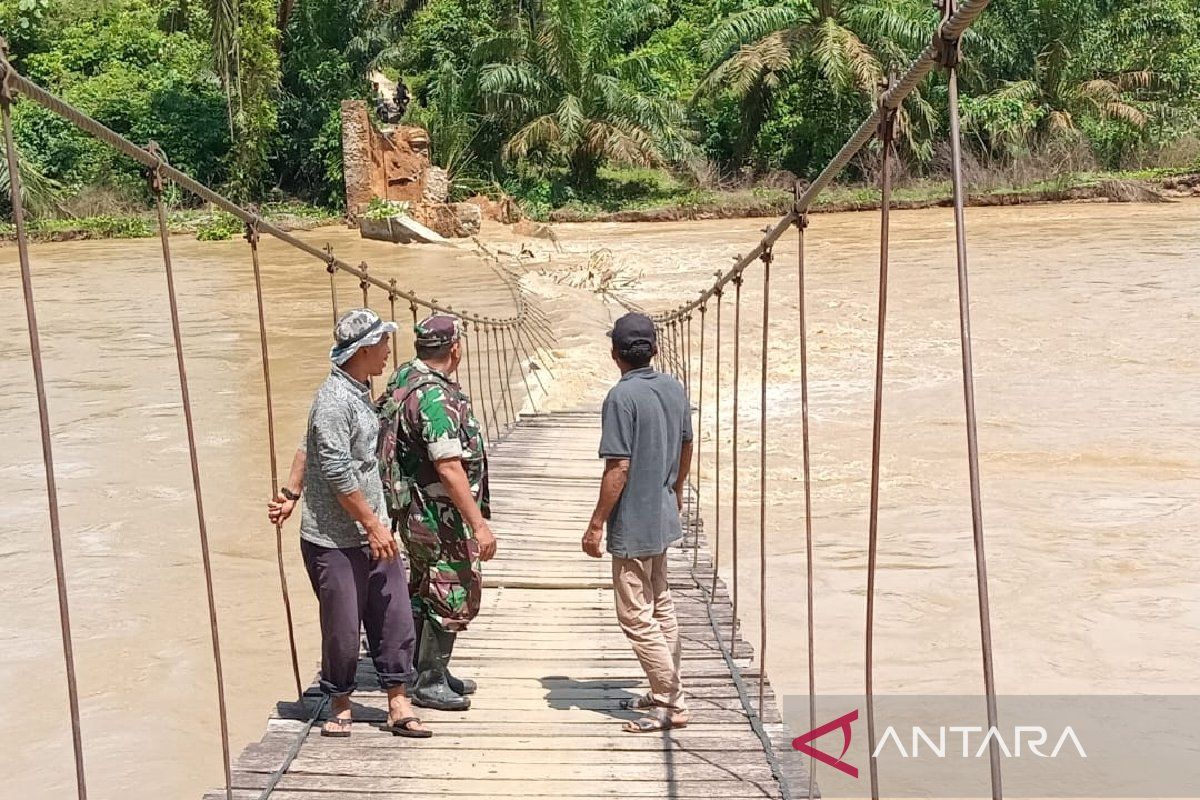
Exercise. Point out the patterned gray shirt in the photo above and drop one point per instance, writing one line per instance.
(340, 443)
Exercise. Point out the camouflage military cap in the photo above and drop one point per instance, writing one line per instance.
(438, 330)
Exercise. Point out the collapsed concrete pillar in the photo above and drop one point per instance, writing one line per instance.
(391, 164)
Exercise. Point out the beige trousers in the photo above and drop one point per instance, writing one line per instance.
(647, 616)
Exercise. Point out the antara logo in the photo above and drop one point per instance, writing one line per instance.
(842, 723)
(1033, 737)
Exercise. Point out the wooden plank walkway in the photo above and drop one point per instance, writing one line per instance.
(552, 666)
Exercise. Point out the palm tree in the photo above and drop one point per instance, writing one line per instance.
(1062, 72)
(567, 85)
(753, 51)
(39, 193)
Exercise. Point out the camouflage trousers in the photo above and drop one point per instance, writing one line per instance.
(444, 579)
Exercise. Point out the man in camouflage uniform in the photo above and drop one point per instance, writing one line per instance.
(434, 466)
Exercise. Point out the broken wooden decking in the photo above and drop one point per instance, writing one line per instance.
(552, 666)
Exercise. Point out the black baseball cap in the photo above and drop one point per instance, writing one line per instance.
(632, 329)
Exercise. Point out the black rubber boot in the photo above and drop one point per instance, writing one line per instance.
(462, 686)
(431, 689)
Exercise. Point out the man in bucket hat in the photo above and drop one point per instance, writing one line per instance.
(434, 463)
(356, 569)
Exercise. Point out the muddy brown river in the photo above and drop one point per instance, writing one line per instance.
(1088, 383)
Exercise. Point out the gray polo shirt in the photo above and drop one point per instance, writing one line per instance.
(646, 418)
(340, 443)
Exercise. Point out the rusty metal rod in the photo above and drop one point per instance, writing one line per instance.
(697, 437)
(968, 376)
(737, 368)
(887, 131)
(720, 295)
(512, 335)
(39, 384)
(519, 332)
(801, 224)
(487, 352)
(252, 237)
(762, 482)
(505, 399)
(465, 366)
(392, 306)
(164, 235)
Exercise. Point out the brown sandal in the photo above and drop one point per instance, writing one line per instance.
(400, 728)
(344, 727)
(657, 721)
(639, 703)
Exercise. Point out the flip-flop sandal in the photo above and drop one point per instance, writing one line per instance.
(344, 724)
(654, 723)
(639, 703)
(400, 728)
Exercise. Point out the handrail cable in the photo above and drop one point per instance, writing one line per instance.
(39, 383)
(252, 239)
(156, 186)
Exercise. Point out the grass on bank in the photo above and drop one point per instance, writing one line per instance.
(639, 193)
(206, 225)
(648, 191)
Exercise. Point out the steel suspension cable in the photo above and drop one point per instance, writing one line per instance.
(951, 60)
(480, 352)
(887, 131)
(156, 185)
(521, 335)
(365, 285)
(512, 335)
(801, 225)
(698, 438)
(39, 382)
(762, 481)
(331, 267)
(465, 366)
(392, 306)
(487, 352)
(720, 295)
(505, 403)
(737, 368)
(252, 237)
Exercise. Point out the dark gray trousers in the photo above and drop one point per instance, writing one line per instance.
(353, 589)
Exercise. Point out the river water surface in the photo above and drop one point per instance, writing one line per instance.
(1086, 318)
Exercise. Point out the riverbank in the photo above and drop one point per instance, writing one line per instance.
(204, 224)
(657, 199)
(698, 204)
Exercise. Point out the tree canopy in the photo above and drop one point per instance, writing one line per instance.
(246, 95)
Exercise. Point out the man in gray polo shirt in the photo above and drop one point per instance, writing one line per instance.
(646, 442)
(356, 568)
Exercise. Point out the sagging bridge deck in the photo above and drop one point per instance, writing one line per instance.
(552, 667)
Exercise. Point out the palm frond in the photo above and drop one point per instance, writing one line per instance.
(1124, 112)
(751, 25)
(539, 133)
(843, 58)
(571, 120)
(39, 193)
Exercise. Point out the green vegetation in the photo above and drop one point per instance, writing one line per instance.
(587, 106)
(206, 225)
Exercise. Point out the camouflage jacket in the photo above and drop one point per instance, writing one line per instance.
(434, 421)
